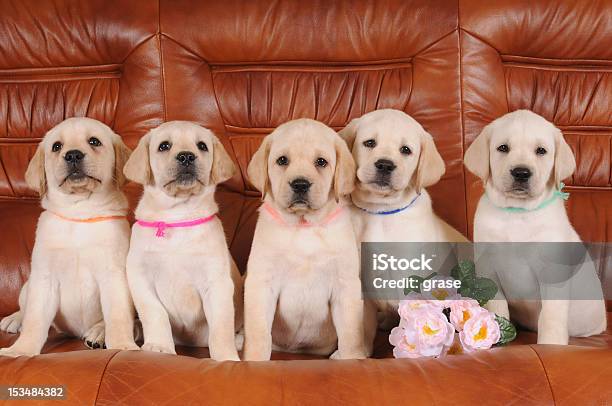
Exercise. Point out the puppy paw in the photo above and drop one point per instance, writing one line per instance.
(227, 358)
(124, 347)
(15, 352)
(94, 337)
(158, 348)
(551, 339)
(351, 355)
(11, 324)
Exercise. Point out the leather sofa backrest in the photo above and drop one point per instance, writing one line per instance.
(243, 67)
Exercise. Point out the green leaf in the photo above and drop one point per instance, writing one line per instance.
(479, 289)
(465, 271)
(506, 329)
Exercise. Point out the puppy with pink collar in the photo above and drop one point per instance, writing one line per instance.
(186, 287)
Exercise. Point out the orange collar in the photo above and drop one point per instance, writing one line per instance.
(90, 220)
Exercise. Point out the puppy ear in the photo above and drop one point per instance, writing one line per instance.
(35, 174)
(565, 162)
(122, 154)
(138, 168)
(344, 176)
(257, 170)
(476, 157)
(223, 167)
(349, 133)
(431, 165)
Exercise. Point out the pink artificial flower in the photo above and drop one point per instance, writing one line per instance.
(405, 343)
(461, 310)
(424, 333)
(480, 331)
(414, 301)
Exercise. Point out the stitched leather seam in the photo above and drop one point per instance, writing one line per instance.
(7, 177)
(144, 41)
(161, 62)
(50, 70)
(27, 199)
(557, 68)
(462, 120)
(552, 393)
(533, 60)
(299, 68)
(60, 77)
(103, 374)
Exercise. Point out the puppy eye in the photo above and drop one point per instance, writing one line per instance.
(405, 150)
(164, 146)
(369, 143)
(56, 146)
(202, 146)
(282, 161)
(541, 151)
(94, 142)
(503, 148)
(321, 162)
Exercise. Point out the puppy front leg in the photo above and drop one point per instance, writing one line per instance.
(153, 315)
(499, 305)
(260, 298)
(553, 322)
(118, 310)
(348, 316)
(218, 301)
(555, 302)
(12, 323)
(42, 303)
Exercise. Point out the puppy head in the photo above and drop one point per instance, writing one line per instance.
(392, 152)
(78, 156)
(521, 155)
(302, 165)
(181, 158)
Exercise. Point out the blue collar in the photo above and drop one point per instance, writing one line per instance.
(557, 194)
(386, 213)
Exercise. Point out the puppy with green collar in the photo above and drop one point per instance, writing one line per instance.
(522, 159)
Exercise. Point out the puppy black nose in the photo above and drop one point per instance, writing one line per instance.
(185, 158)
(520, 173)
(74, 156)
(384, 165)
(300, 185)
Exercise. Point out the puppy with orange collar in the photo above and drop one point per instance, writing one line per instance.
(185, 284)
(77, 281)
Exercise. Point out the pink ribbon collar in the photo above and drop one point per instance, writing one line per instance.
(302, 223)
(162, 225)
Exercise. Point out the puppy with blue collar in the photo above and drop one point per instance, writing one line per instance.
(396, 160)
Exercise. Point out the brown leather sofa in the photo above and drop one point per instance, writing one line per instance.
(243, 67)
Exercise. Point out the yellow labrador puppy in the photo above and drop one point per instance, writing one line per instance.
(396, 160)
(302, 290)
(181, 274)
(522, 158)
(78, 281)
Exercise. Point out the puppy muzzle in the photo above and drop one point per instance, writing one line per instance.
(300, 188)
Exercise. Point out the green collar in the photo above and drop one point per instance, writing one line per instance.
(557, 194)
